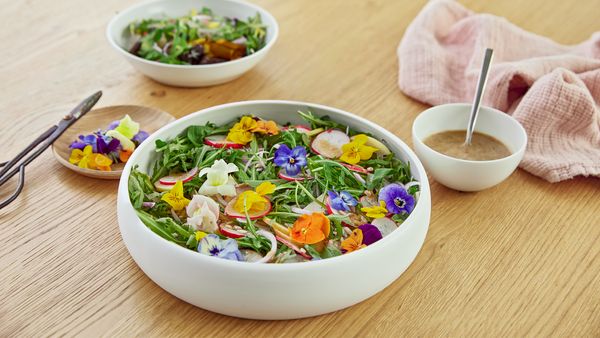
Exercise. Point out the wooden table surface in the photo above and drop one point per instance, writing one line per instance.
(519, 259)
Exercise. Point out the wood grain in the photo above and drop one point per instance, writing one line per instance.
(520, 259)
(150, 120)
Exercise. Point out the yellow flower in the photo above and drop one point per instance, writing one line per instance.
(81, 158)
(266, 127)
(175, 197)
(200, 235)
(241, 132)
(265, 188)
(100, 162)
(357, 150)
(254, 202)
(353, 242)
(377, 211)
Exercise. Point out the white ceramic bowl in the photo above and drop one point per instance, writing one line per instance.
(467, 175)
(189, 75)
(272, 291)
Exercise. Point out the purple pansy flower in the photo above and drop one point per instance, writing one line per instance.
(341, 201)
(105, 147)
(212, 245)
(87, 140)
(370, 233)
(291, 160)
(140, 137)
(397, 199)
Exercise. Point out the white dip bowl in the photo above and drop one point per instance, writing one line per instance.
(272, 291)
(465, 175)
(117, 34)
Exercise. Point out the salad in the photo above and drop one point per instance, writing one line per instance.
(197, 39)
(256, 191)
(103, 148)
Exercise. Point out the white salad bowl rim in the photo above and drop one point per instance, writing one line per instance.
(150, 142)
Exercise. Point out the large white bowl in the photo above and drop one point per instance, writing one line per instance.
(189, 75)
(272, 291)
(461, 174)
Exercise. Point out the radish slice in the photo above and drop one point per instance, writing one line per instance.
(149, 205)
(231, 212)
(299, 128)
(381, 148)
(228, 231)
(355, 168)
(285, 176)
(293, 247)
(220, 141)
(385, 225)
(329, 143)
(162, 187)
(184, 177)
(271, 252)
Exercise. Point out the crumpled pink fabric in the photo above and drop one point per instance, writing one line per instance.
(552, 89)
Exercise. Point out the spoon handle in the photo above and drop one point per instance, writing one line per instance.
(483, 76)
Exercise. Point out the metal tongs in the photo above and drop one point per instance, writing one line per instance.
(40, 144)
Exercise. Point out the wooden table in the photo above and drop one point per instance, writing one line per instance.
(520, 259)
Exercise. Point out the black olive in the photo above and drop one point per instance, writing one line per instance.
(194, 56)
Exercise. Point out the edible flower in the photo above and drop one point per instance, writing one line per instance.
(266, 127)
(265, 188)
(362, 236)
(81, 157)
(241, 132)
(397, 199)
(175, 198)
(218, 180)
(291, 160)
(100, 162)
(126, 143)
(311, 229)
(212, 245)
(251, 202)
(87, 140)
(124, 155)
(357, 150)
(103, 147)
(203, 213)
(200, 235)
(341, 201)
(377, 211)
(128, 127)
(140, 137)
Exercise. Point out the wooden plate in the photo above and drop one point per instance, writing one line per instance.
(150, 120)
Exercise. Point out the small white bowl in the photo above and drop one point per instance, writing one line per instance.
(189, 75)
(272, 291)
(465, 175)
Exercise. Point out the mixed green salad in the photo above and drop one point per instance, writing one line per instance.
(201, 37)
(256, 191)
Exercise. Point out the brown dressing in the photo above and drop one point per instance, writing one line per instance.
(452, 143)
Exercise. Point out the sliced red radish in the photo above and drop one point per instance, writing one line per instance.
(162, 187)
(231, 212)
(294, 247)
(220, 141)
(285, 176)
(329, 143)
(228, 231)
(355, 168)
(183, 177)
(381, 148)
(385, 225)
(299, 128)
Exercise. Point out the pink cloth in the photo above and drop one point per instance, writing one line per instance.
(552, 89)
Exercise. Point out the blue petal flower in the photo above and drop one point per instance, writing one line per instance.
(291, 160)
(140, 137)
(113, 125)
(212, 245)
(397, 199)
(341, 201)
(87, 140)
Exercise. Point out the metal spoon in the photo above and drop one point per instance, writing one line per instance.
(483, 76)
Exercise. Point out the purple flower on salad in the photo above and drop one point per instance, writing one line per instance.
(370, 233)
(341, 201)
(397, 199)
(140, 137)
(104, 147)
(87, 140)
(291, 160)
(113, 125)
(212, 245)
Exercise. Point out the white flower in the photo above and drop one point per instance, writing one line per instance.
(203, 213)
(218, 180)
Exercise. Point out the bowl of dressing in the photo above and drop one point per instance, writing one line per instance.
(497, 146)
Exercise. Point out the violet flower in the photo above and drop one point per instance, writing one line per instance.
(370, 233)
(212, 245)
(341, 201)
(140, 137)
(397, 199)
(87, 140)
(113, 125)
(291, 160)
(105, 148)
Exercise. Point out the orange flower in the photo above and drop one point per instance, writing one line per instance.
(266, 127)
(124, 155)
(99, 162)
(311, 229)
(353, 242)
